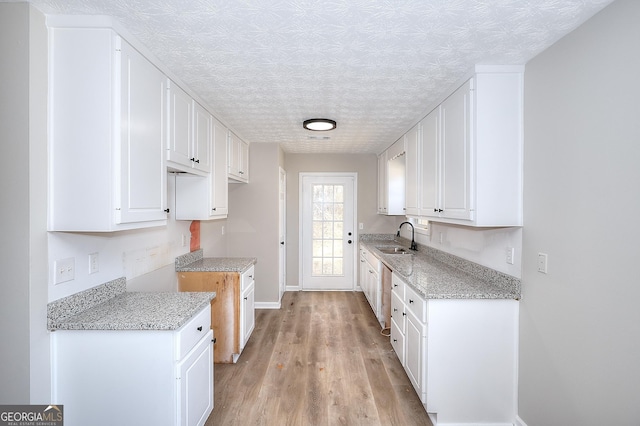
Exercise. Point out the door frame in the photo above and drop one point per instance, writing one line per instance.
(282, 230)
(354, 176)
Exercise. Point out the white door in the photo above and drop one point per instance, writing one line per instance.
(328, 237)
(282, 220)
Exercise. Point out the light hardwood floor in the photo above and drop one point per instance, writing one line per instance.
(319, 360)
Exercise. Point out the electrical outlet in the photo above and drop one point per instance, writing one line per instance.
(542, 263)
(64, 270)
(94, 266)
(510, 255)
(184, 240)
(361, 226)
(222, 230)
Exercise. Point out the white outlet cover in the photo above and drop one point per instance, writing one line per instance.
(542, 263)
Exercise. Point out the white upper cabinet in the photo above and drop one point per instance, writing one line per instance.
(455, 148)
(471, 155)
(428, 187)
(391, 179)
(206, 197)
(382, 183)
(106, 133)
(220, 187)
(412, 169)
(238, 165)
(202, 136)
(189, 130)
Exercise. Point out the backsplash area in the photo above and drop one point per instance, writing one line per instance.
(484, 246)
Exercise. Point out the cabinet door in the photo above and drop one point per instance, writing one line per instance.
(429, 181)
(180, 126)
(219, 182)
(415, 354)
(363, 269)
(234, 156)
(396, 178)
(202, 138)
(412, 170)
(142, 172)
(195, 390)
(248, 314)
(456, 154)
(375, 292)
(244, 161)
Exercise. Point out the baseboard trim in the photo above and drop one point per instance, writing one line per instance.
(520, 422)
(267, 305)
(292, 288)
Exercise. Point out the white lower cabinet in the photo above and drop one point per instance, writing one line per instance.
(247, 305)
(398, 323)
(135, 377)
(371, 283)
(460, 355)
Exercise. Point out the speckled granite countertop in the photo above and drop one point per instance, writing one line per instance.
(438, 275)
(194, 262)
(110, 307)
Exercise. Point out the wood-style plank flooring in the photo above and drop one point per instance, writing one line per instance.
(319, 360)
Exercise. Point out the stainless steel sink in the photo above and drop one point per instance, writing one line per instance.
(394, 250)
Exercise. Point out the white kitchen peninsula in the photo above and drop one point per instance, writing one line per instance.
(131, 358)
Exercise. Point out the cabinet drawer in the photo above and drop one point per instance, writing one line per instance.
(397, 286)
(397, 341)
(416, 304)
(247, 278)
(373, 261)
(397, 311)
(190, 333)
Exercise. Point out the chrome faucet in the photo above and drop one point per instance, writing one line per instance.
(413, 241)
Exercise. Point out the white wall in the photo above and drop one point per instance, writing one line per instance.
(15, 224)
(484, 246)
(580, 322)
(253, 219)
(130, 254)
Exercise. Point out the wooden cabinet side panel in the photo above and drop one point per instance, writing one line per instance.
(225, 308)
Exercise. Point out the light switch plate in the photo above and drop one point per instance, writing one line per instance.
(64, 270)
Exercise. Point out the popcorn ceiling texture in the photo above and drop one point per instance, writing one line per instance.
(373, 66)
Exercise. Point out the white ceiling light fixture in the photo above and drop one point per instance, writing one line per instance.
(319, 124)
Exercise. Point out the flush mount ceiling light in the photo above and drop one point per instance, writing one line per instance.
(319, 124)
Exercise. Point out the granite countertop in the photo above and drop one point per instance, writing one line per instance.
(110, 307)
(195, 262)
(438, 275)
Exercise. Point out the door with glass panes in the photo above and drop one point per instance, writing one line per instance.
(328, 237)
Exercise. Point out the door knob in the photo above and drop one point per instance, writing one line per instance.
(349, 241)
(281, 242)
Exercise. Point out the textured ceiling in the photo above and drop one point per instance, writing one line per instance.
(374, 66)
